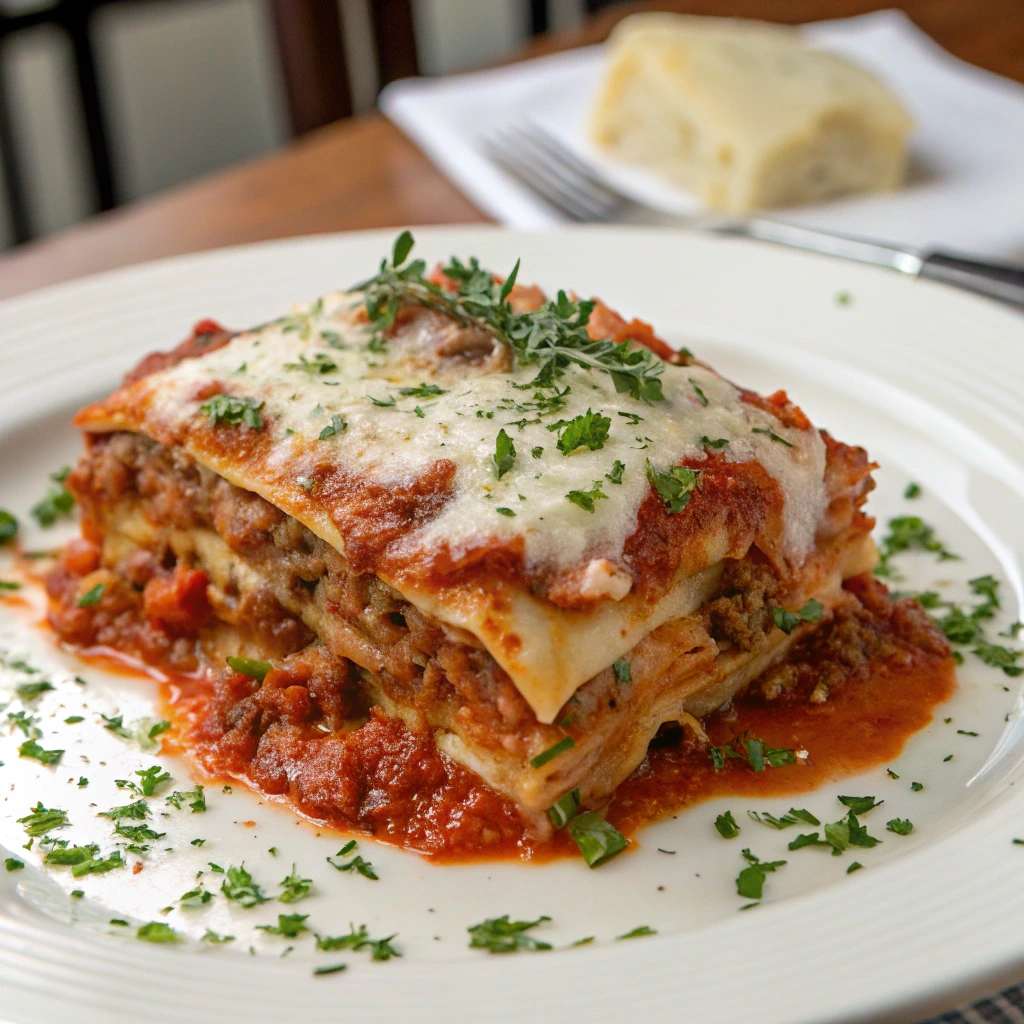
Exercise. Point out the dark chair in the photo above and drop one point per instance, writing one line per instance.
(312, 52)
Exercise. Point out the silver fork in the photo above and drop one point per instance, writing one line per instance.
(549, 169)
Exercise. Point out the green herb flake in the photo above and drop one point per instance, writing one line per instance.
(137, 811)
(503, 510)
(8, 527)
(639, 932)
(357, 864)
(73, 719)
(901, 826)
(891, 773)
(750, 881)
(13, 864)
(239, 887)
(500, 935)
(332, 969)
(157, 931)
(116, 726)
(320, 364)
(32, 749)
(719, 442)
(57, 502)
(804, 815)
(698, 391)
(336, 426)
(615, 476)
(726, 826)
(598, 841)
(249, 667)
(43, 820)
(294, 887)
(586, 499)
(860, 804)
(290, 926)
(29, 691)
(537, 452)
(562, 810)
(855, 866)
(92, 596)
(916, 787)
(912, 491)
(233, 411)
(541, 759)
(422, 391)
(768, 432)
(504, 455)
(787, 621)
(674, 485)
(622, 671)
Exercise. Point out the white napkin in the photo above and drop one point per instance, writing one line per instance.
(966, 184)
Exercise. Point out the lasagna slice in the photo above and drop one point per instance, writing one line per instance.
(524, 528)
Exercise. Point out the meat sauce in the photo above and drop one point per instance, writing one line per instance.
(303, 737)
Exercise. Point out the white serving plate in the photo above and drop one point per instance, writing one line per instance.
(928, 379)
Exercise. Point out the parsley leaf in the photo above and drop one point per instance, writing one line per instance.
(901, 826)
(720, 442)
(138, 811)
(157, 931)
(907, 533)
(597, 840)
(43, 820)
(767, 431)
(674, 485)
(249, 667)
(500, 935)
(504, 454)
(623, 673)
(151, 778)
(586, 499)
(787, 621)
(615, 476)
(357, 863)
(860, 804)
(233, 411)
(699, 391)
(57, 502)
(288, 925)
(588, 430)
(750, 881)
(422, 391)
(8, 527)
(638, 932)
(238, 886)
(726, 825)
(196, 798)
(319, 364)
(503, 510)
(336, 426)
(912, 490)
(295, 887)
(32, 749)
(29, 691)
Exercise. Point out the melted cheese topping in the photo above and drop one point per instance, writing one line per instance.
(315, 369)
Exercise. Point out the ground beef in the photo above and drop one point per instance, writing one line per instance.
(742, 615)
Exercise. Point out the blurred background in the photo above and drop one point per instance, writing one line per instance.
(106, 101)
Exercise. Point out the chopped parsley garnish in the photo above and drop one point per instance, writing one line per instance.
(855, 866)
(500, 935)
(615, 476)
(43, 820)
(622, 671)
(912, 490)
(504, 510)
(8, 527)
(9, 585)
(239, 887)
(157, 931)
(562, 810)
(552, 337)
(319, 364)
(750, 881)
(57, 502)
(597, 840)
(215, 939)
(336, 426)
(197, 897)
(13, 864)
(718, 442)
(755, 751)
(638, 932)
(586, 499)
(564, 744)
(73, 719)
(504, 454)
(966, 732)
(588, 430)
(294, 887)
(804, 815)
(233, 411)
(787, 621)
(699, 391)
(25, 722)
(999, 657)
(768, 432)
(137, 811)
(249, 667)
(137, 833)
(891, 773)
(196, 798)
(68, 856)
(357, 863)
(764, 818)
(422, 391)
(288, 925)
(907, 533)
(91, 596)
(332, 969)
(901, 826)
(916, 787)
(860, 804)
(380, 949)
(83, 860)
(383, 403)
(32, 749)
(726, 826)
(116, 726)
(674, 485)
(151, 778)
(29, 691)
(537, 452)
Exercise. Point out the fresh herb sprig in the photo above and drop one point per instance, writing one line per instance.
(552, 337)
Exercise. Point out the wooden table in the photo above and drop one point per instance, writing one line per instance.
(363, 173)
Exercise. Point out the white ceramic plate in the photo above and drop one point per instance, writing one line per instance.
(929, 380)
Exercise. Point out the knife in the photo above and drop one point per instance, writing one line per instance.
(1001, 281)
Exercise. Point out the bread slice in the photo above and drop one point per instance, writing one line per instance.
(744, 115)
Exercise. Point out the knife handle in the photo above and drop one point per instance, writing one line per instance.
(1001, 281)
